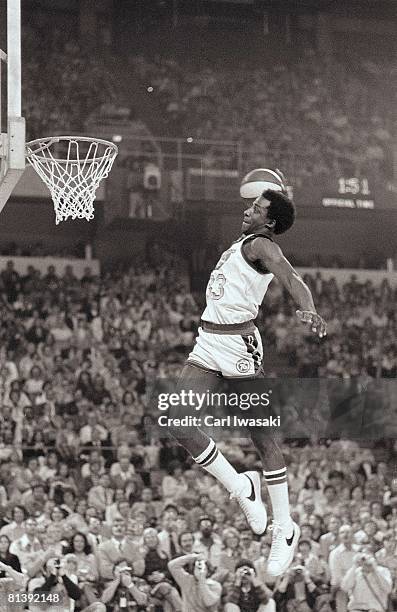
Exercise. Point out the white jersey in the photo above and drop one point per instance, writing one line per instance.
(236, 288)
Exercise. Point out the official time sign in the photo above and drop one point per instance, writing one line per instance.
(351, 193)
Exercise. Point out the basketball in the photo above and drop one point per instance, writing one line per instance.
(257, 181)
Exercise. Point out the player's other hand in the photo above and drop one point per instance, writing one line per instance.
(316, 323)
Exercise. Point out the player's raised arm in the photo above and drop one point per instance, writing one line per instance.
(271, 256)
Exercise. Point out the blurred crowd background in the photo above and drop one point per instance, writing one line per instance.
(332, 106)
(98, 507)
(84, 467)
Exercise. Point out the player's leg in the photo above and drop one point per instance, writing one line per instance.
(285, 533)
(248, 348)
(219, 351)
(195, 379)
(275, 474)
(202, 374)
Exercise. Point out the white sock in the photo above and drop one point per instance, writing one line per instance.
(212, 460)
(277, 486)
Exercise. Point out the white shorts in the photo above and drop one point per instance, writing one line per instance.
(232, 355)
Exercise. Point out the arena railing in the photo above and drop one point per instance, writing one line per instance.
(183, 153)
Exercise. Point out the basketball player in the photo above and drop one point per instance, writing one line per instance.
(229, 346)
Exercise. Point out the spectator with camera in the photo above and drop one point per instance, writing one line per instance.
(247, 593)
(58, 587)
(126, 590)
(200, 593)
(54, 587)
(367, 584)
(296, 590)
(118, 547)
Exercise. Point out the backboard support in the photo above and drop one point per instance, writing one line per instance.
(12, 141)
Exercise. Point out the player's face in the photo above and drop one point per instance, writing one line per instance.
(255, 216)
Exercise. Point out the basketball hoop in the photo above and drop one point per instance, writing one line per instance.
(72, 168)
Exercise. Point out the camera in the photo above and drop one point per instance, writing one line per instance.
(363, 559)
(297, 573)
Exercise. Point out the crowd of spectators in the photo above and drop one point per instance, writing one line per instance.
(362, 329)
(327, 116)
(74, 86)
(100, 509)
(312, 116)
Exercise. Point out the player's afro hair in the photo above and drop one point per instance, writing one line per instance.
(281, 210)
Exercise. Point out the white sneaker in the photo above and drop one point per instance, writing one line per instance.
(252, 506)
(282, 550)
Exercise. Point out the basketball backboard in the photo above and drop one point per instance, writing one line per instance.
(12, 124)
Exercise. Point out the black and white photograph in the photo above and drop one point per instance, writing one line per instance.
(198, 306)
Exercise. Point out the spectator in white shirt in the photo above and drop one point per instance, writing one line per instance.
(16, 528)
(341, 560)
(86, 432)
(367, 584)
(329, 540)
(122, 470)
(27, 545)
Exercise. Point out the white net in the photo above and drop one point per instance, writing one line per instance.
(72, 168)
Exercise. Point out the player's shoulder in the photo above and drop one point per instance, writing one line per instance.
(260, 246)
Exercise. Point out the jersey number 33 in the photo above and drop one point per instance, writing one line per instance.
(215, 288)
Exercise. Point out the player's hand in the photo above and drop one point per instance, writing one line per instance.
(317, 323)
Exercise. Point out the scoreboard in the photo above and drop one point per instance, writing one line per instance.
(361, 193)
(350, 192)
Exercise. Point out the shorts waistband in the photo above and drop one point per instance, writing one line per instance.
(228, 328)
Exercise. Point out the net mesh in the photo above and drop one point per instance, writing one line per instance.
(74, 178)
